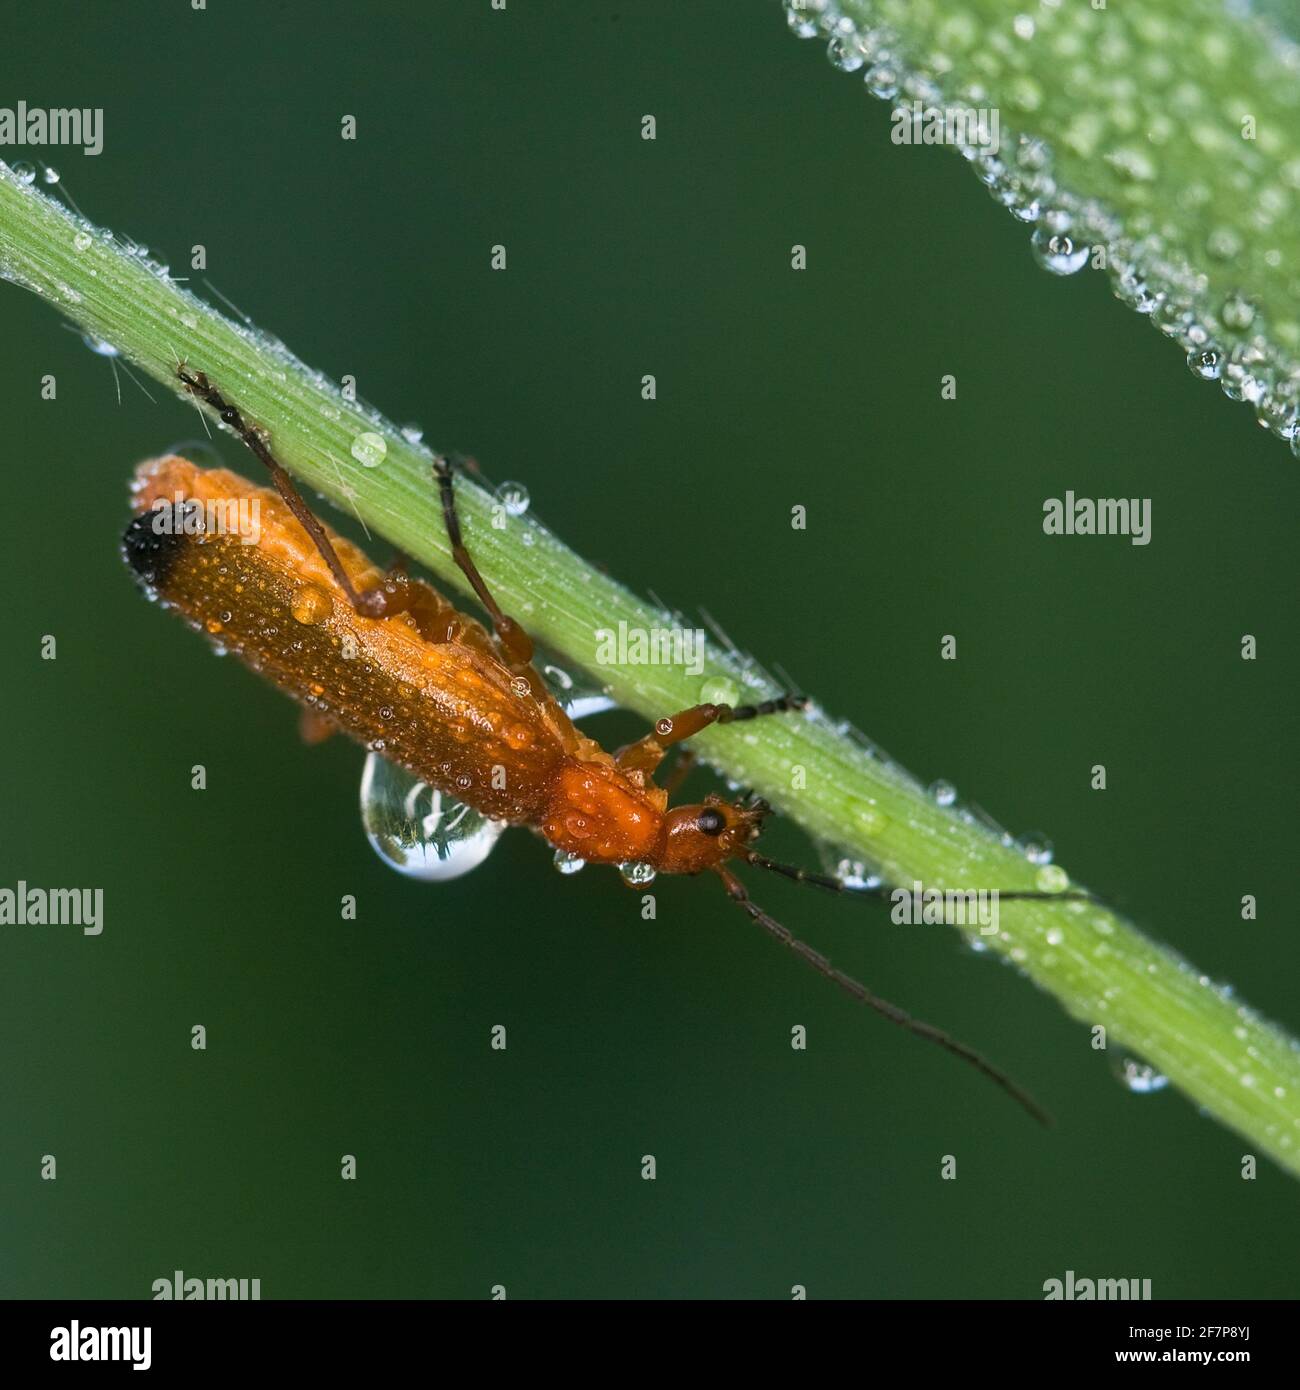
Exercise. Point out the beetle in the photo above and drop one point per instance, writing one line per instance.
(385, 658)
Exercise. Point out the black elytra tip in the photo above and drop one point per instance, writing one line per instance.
(150, 553)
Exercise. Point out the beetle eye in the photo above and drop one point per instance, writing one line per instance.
(711, 822)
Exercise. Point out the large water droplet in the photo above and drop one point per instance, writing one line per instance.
(636, 874)
(418, 830)
(369, 449)
(566, 863)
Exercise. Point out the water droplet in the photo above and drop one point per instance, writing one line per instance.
(1035, 847)
(50, 174)
(1224, 244)
(636, 874)
(801, 16)
(566, 863)
(1237, 312)
(369, 449)
(844, 53)
(719, 690)
(1205, 363)
(1051, 878)
(1057, 252)
(514, 498)
(311, 605)
(521, 687)
(854, 875)
(413, 434)
(943, 793)
(23, 172)
(418, 830)
(99, 347)
(882, 81)
(1139, 1077)
(82, 241)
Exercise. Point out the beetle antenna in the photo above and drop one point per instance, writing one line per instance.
(737, 892)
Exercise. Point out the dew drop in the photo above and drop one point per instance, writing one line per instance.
(99, 347)
(566, 863)
(943, 793)
(82, 241)
(1057, 252)
(1036, 848)
(413, 434)
(801, 16)
(1205, 363)
(1051, 878)
(50, 174)
(855, 876)
(844, 53)
(311, 605)
(719, 690)
(418, 830)
(1237, 312)
(514, 498)
(1139, 1077)
(637, 874)
(23, 172)
(882, 81)
(1224, 244)
(369, 449)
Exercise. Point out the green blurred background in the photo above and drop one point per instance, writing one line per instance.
(626, 1038)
